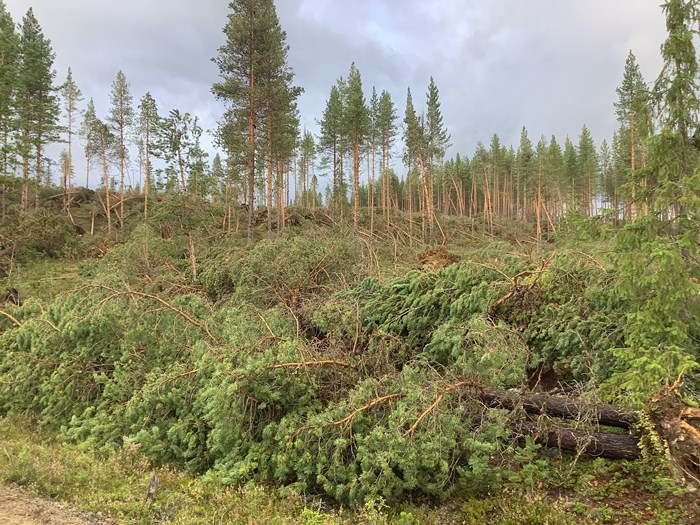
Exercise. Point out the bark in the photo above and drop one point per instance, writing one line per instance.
(679, 426)
(563, 407)
(596, 444)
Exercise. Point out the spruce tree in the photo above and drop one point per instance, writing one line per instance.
(525, 170)
(674, 158)
(570, 174)
(121, 119)
(555, 177)
(36, 106)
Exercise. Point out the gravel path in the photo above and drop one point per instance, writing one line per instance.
(19, 507)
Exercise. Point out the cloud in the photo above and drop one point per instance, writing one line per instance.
(550, 65)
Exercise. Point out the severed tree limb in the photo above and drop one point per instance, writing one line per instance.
(312, 363)
(368, 406)
(11, 318)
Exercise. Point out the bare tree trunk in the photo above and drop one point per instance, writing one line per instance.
(105, 172)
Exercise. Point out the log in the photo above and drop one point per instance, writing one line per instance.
(563, 407)
(594, 444)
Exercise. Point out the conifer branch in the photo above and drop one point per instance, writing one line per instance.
(145, 295)
(435, 404)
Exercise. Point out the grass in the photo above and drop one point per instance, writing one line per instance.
(595, 492)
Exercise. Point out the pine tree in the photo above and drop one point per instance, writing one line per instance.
(171, 138)
(280, 128)
(587, 180)
(373, 146)
(437, 141)
(105, 145)
(255, 54)
(633, 113)
(37, 108)
(87, 130)
(387, 130)
(9, 53)
(307, 159)
(525, 169)
(71, 97)
(148, 120)
(121, 119)
(415, 158)
(356, 125)
(332, 142)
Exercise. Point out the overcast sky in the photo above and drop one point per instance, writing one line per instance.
(548, 65)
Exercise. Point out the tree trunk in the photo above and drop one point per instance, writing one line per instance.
(563, 407)
(105, 170)
(148, 171)
(356, 185)
(595, 444)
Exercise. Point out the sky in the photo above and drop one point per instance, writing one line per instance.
(549, 65)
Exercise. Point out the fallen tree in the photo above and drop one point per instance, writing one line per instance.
(673, 422)
(563, 407)
(581, 441)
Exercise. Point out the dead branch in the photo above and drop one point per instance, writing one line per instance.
(312, 363)
(368, 406)
(11, 318)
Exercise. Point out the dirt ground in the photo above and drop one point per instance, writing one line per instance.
(19, 507)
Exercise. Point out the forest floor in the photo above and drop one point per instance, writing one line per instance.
(19, 507)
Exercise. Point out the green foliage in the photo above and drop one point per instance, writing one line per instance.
(286, 270)
(661, 302)
(40, 233)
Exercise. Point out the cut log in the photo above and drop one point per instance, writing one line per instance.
(595, 444)
(563, 407)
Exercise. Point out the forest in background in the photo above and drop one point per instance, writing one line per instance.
(245, 325)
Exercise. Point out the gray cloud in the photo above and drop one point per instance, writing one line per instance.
(499, 64)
